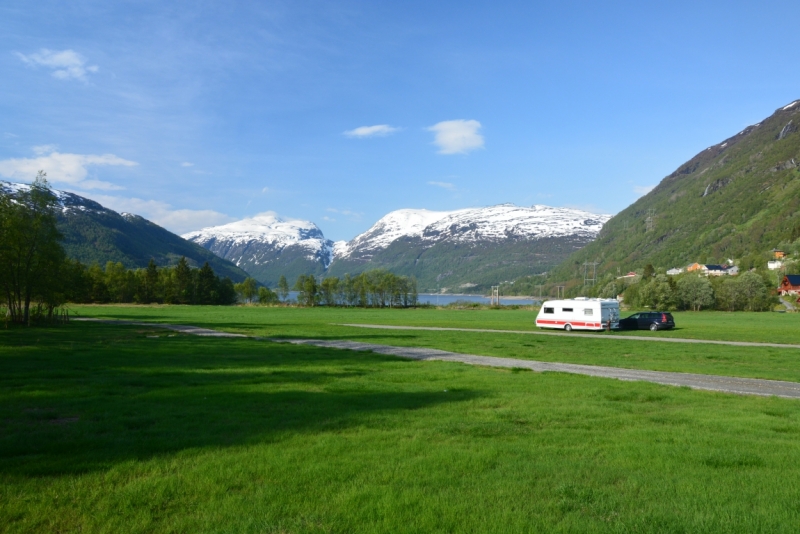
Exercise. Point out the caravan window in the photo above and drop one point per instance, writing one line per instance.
(549, 310)
(588, 311)
(566, 309)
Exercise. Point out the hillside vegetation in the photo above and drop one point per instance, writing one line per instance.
(99, 235)
(464, 267)
(735, 200)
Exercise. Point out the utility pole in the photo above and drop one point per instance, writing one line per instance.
(561, 291)
(650, 222)
(593, 277)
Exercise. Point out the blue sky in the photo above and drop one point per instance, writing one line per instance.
(198, 113)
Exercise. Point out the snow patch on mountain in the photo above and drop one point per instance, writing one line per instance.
(493, 223)
(66, 201)
(255, 238)
(397, 224)
(509, 221)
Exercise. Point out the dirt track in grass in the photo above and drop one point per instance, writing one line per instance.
(582, 334)
(725, 384)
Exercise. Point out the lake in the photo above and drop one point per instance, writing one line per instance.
(444, 300)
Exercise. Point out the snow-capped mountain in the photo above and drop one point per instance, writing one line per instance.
(95, 234)
(268, 246)
(507, 221)
(493, 223)
(469, 248)
(465, 247)
(400, 223)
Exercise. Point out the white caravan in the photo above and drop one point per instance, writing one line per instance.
(579, 314)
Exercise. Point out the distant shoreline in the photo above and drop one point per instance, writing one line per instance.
(509, 297)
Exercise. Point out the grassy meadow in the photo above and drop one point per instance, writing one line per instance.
(325, 323)
(107, 428)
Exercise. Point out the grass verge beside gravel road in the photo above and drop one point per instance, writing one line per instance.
(134, 429)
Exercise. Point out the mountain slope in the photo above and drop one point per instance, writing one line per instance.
(267, 246)
(93, 233)
(737, 199)
(468, 249)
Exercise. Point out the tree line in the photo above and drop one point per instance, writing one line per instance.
(375, 288)
(746, 292)
(179, 284)
(36, 277)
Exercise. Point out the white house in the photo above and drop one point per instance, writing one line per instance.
(774, 265)
(675, 271)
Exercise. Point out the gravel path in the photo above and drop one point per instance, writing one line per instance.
(740, 386)
(185, 329)
(580, 335)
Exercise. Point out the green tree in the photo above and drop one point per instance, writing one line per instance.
(182, 282)
(649, 271)
(30, 253)
(658, 293)
(307, 288)
(206, 285)
(150, 290)
(728, 293)
(695, 292)
(267, 296)
(283, 288)
(754, 291)
(117, 282)
(247, 290)
(328, 291)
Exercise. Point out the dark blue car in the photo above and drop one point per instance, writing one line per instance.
(648, 321)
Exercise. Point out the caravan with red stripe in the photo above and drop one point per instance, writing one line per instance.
(580, 313)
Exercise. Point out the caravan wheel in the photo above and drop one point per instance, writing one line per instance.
(568, 327)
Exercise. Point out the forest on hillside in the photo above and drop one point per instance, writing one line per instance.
(37, 278)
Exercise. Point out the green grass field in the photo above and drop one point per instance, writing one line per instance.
(133, 429)
(322, 323)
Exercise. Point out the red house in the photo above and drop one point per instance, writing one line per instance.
(790, 285)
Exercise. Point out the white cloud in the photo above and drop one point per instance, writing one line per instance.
(329, 219)
(457, 137)
(187, 164)
(265, 190)
(65, 168)
(352, 215)
(642, 190)
(444, 185)
(379, 130)
(44, 149)
(66, 64)
(179, 221)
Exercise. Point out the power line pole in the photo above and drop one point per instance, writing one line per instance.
(495, 295)
(650, 222)
(560, 290)
(593, 278)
